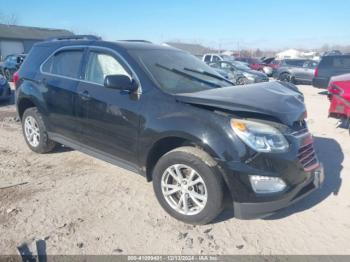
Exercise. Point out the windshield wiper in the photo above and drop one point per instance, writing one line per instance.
(202, 72)
(184, 74)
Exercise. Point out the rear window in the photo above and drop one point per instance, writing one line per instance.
(64, 63)
(336, 62)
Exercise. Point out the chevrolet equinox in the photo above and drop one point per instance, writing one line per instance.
(162, 113)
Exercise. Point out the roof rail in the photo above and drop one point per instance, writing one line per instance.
(137, 41)
(75, 37)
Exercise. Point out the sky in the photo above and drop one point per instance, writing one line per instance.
(223, 24)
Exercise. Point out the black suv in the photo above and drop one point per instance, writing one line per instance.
(330, 66)
(163, 113)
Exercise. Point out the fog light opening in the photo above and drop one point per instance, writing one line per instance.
(267, 185)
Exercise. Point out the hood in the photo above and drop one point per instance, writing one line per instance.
(272, 99)
(253, 72)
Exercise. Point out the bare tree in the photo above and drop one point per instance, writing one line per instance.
(11, 19)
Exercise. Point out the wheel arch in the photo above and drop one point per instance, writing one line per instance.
(23, 104)
(169, 142)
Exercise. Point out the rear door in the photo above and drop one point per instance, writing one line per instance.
(60, 77)
(309, 70)
(110, 117)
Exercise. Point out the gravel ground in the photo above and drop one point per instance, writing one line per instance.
(80, 205)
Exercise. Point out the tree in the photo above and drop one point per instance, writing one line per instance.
(8, 19)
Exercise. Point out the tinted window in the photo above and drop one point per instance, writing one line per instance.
(65, 63)
(336, 62)
(100, 65)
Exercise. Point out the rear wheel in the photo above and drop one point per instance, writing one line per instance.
(35, 133)
(8, 75)
(188, 185)
(285, 77)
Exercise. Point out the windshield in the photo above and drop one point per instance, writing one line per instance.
(178, 72)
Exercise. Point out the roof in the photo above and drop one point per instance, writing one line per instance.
(118, 45)
(194, 49)
(30, 33)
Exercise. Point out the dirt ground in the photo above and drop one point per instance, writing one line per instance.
(80, 205)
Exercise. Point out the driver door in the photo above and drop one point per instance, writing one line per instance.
(109, 117)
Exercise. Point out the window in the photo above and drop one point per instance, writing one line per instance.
(100, 65)
(207, 58)
(216, 58)
(64, 63)
(296, 63)
(341, 62)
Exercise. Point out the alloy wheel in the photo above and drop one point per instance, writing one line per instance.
(184, 189)
(32, 132)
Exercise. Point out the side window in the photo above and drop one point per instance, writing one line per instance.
(216, 58)
(64, 63)
(100, 65)
(207, 58)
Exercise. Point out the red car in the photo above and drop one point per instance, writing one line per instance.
(339, 95)
(253, 63)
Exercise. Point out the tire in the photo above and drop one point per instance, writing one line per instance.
(285, 77)
(241, 81)
(189, 159)
(8, 75)
(40, 142)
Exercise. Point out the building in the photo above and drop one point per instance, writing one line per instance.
(290, 53)
(194, 49)
(19, 39)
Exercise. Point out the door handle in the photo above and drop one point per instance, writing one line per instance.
(85, 95)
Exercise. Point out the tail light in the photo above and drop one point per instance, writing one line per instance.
(15, 79)
(336, 90)
(316, 72)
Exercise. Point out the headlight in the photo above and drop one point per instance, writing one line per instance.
(260, 137)
(266, 184)
(249, 76)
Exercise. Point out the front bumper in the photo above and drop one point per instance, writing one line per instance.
(264, 209)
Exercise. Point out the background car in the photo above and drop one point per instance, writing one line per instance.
(339, 96)
(330, 66)
(242, 73)
(5, 90)
(11, 64)
(296, 70)
(212, 58)
(254, 63)
(271, 65)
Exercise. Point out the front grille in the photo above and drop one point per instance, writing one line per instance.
(307, 157)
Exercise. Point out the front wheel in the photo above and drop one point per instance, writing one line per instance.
(188, 185)
(285, 77)
(241, 81)
(8, 75)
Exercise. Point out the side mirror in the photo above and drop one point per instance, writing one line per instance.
(120, 82)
